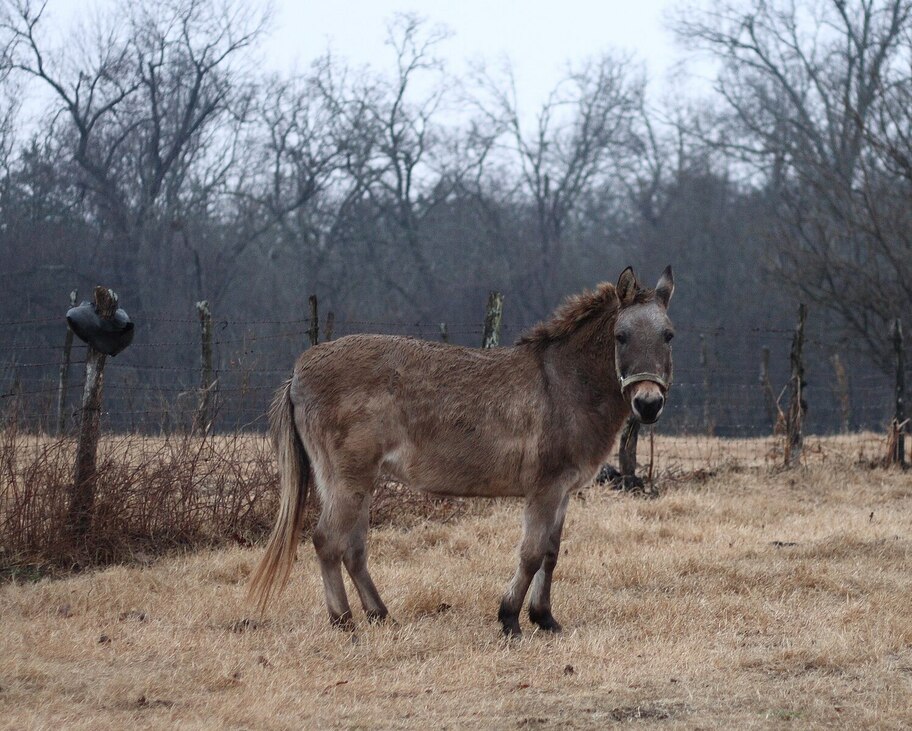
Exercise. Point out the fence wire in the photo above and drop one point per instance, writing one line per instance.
(154, 386)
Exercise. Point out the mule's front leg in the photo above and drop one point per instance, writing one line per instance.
(538, 521)
(540, 598)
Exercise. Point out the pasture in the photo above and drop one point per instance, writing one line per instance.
(741, 597)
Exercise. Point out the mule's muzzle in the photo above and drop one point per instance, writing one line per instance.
(648, 406)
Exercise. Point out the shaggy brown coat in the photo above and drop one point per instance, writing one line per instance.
(536, 420)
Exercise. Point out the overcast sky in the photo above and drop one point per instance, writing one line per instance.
(538, 36)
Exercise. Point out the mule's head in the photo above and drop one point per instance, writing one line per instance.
(642, 344)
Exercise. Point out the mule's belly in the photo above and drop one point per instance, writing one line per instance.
(461, 469)
(476, 488)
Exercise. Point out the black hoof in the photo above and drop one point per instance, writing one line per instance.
(376, 616)
(343, 622)
(545, 620)
(511, 630)
(509, 622)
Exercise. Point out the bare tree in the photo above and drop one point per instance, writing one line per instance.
(291, 181)
(805, 92)
(9, 105)
(404, 162)
(800, 81)
(9, 108)
(143, 107)
(580, 134)
(400, 133)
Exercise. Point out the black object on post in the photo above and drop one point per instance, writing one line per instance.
(108, 335)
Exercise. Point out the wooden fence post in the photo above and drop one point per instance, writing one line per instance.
(64, 382)
(493, 320)
(82, 491)
(898, 428)
(201, 421)
(797, 405)
(842, 392)
(444, 335)
(314, 332)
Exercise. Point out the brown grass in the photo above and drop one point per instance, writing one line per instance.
(749, 598)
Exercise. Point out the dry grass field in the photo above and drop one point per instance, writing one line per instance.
(742, 597)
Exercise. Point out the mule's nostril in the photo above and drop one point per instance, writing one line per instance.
(648, 407)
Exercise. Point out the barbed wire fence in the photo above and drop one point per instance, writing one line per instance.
(728, 384)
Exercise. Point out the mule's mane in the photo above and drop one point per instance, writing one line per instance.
(577, 311)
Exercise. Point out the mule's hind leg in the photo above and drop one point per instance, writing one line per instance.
(355, 559)
(540, 598)
(338, 517)
(538, 522)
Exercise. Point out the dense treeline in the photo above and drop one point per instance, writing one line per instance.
(167, 165)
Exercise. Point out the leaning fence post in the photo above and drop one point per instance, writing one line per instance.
(492, 321)
(64, 383)
(314, 332)
(82, 491)
(206, 371)
(898, 428)
(797, 405)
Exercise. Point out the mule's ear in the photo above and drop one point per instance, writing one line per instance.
(666, 286)
(627, 286)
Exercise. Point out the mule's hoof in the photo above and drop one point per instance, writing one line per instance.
(509, 621)
(375, 616)
(545, 620)
(511, 631)
(343, 622)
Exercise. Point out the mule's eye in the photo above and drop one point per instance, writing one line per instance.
(621, 338)
(668, 336)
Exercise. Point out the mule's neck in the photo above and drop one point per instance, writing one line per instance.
(583, 363)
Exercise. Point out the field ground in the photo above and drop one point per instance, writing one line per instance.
(743, 597)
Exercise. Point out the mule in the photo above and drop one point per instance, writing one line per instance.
(536, 420)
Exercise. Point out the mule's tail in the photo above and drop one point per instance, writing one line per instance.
(294, 475)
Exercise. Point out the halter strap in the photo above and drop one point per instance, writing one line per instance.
(626, 381)
(637, 377)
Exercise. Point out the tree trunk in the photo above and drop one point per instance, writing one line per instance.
(492, 321)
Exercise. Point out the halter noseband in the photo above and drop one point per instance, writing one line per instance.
(626, 381)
